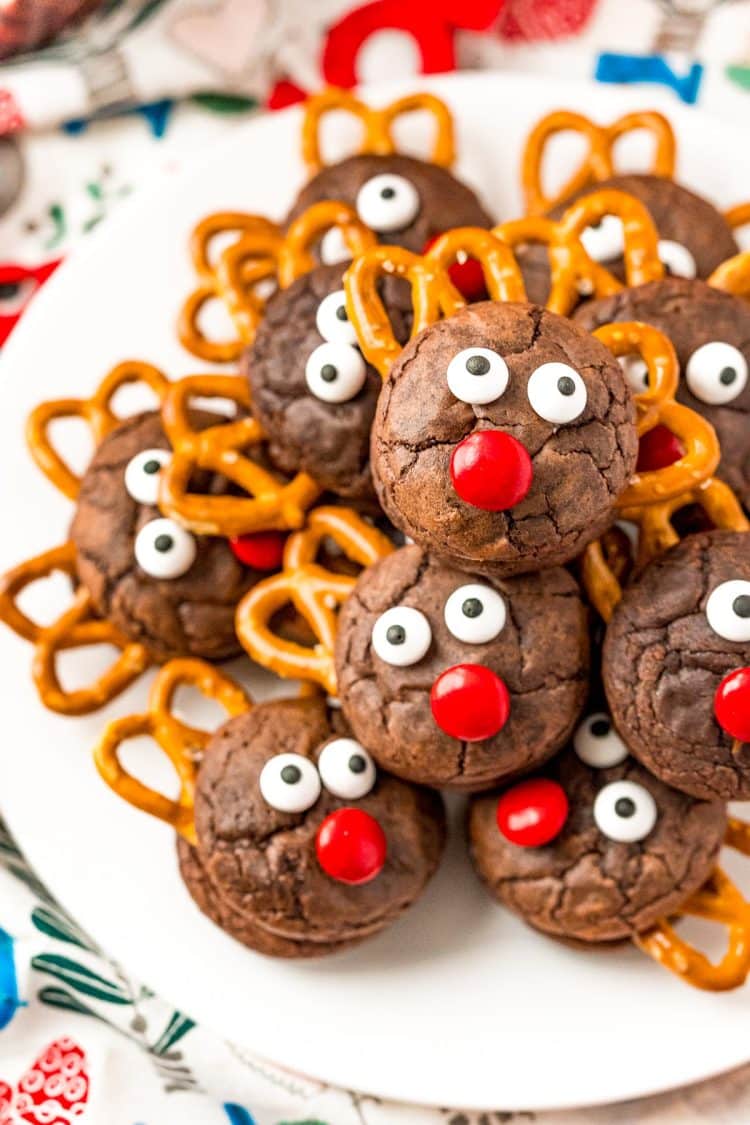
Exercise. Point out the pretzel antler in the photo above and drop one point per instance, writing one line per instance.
(598, 162)
(95, 411)
(267, 503)
(315, 593)
(77, 627)
(377, 138)
(733, 275)
(183, 744)
(738, 216)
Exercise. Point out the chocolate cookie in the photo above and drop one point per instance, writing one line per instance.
(595, 849)
(710, 331)
(675, 666)
(158, 583)
(406, 201)
(312, 390)
(304, 848)
(503, 435)
(455, 678)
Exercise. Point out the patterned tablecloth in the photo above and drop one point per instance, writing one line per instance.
(79, 1039)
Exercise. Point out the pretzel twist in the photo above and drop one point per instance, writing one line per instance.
(77, 627)
(295, 256)
(641, 238)
(598, 162)
(96, 411)
(377, 134)
(733, 275)
(315, 593)
(718, 900)
(267, 503)
(182, 744)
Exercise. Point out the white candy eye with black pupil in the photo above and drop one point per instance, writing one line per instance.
(289, 783)
(142, 475)
(635, 370)
(475, 614)
(557, 393)
(597, 743)
(477, 376)
(625, 812)
(606, 240)
(335, 372)
(677, 259)
(332, 320)
(388, 202)
(163, 549)
(716, 373)
(333, 248)
(728, 610)
(347, 770)
(401, 636)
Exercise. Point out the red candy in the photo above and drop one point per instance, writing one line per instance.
(470, 702)
(532, 813)
(658, 449)
(351, 846)
(491, 470)
(467, 276)
(732, 704)
(261, 550)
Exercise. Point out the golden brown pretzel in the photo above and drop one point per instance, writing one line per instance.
(733, 275)
(314, 592)
(295, 256)
(598, 162)
(96, 412)
(641, 238)
(738, 216)
(377, 138)
(183, 744)
(266, 504)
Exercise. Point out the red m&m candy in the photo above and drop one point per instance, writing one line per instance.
(658, 449)
(732, 704)
(351, 846)
(491, 470)
(533, 812)
(466, 274)
(260, 550)
(470, 702)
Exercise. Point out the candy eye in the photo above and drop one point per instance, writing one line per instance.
(347, 769)
(333, 248)
(332, 321)
(163, 549)
(335, 372)
(728, 610)
(597, 743)
(635, 370)
(401, 636)
(475, 614)
(605, 241)
(716, 373)
(625, 812)
(477, 376)
(142, 475)
(557, 393)
(388, 202)
(289, 783)
(677, 259)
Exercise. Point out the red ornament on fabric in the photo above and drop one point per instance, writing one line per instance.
(470, 702)
(351, 846)
(18, 284)
(732, 704)
(657, 449)
(491, 470)
(260, 550)
(528, 20)
(54, 1089)
(285, 93)
(532, 813)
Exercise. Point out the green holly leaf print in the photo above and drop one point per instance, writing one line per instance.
(224, 103)
(177, 1027)
(55, 925)
(80, 978)
(740, 75)
(59, 998)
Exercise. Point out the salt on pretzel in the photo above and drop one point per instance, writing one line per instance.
(598, 162)
(96, 411)
(377, 125)
(315, 593)
(266, 503)
(77, 627)
(182, 744)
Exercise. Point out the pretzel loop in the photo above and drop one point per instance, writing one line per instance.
(182, 744)
(641, 238)
(502, 274)
(295, 257)
(360, 541)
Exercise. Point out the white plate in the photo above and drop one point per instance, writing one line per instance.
(458, 1004)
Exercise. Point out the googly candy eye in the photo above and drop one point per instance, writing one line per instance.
(677, 259)
(401, 636)
(335, 372)
(557, 393)
(142, 475)
(606, 240)
(477, 376)
(289, 783)
(346, 769)
(333, 248)
(635, 370)
(625, 812)
(716, 373)
(597, 743)
(728, 610)
(388, 202)
(475, 613)
(332, 321)
(163, 549)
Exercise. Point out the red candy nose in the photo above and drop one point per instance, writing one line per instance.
(732, 704)
(351, 846)
(532, 813)
(491, 470)
(261, 550)
(470, 702)
(658, 449)
(466, 275)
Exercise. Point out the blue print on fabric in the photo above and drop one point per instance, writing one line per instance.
(10, 1001)
(615, 68)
